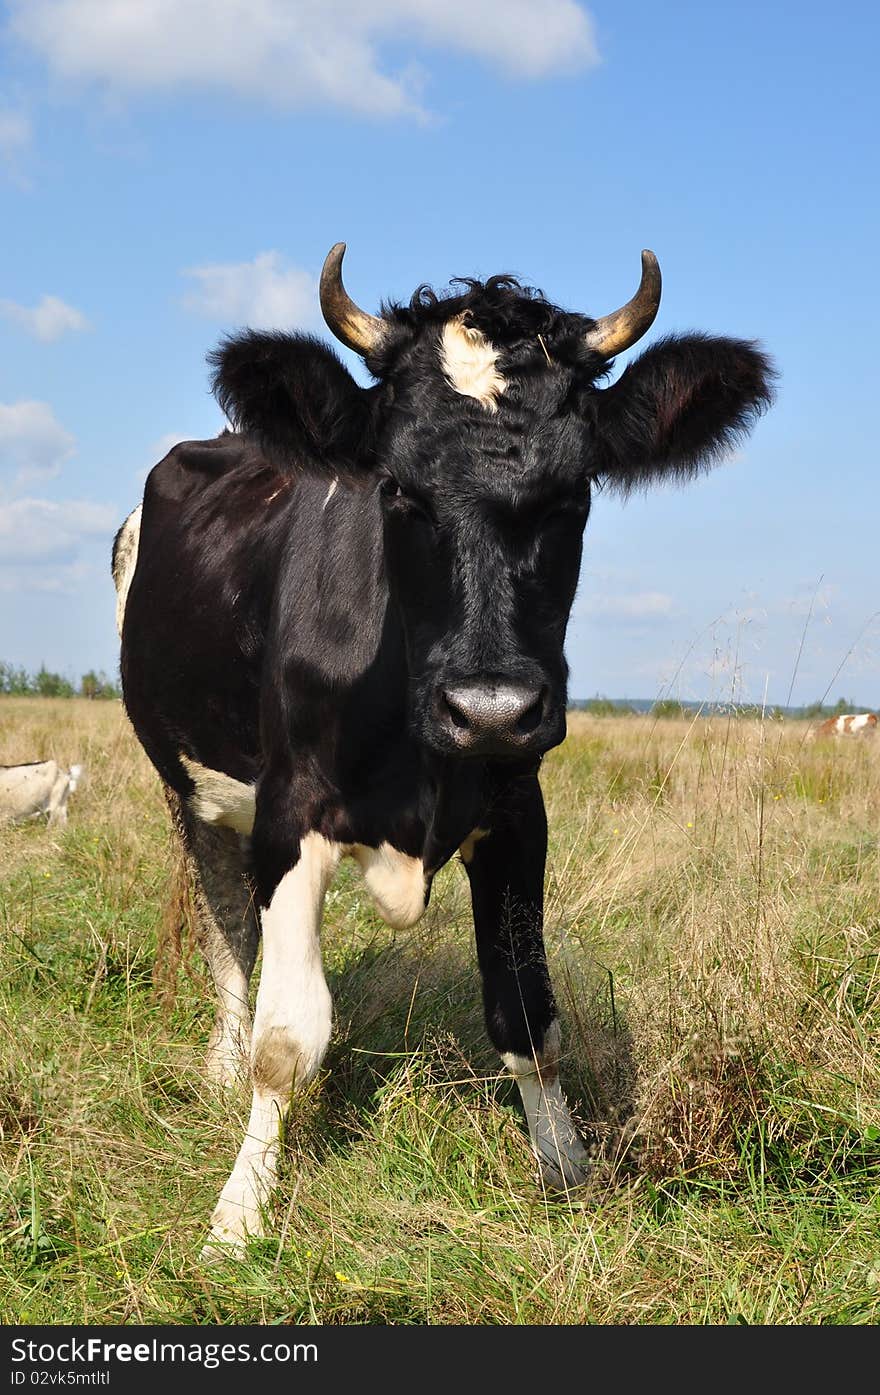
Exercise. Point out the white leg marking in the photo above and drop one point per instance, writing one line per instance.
(396, 882)
(291, 1030)
(230, 1040)
(556, 1142)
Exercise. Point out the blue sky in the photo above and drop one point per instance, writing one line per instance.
(170, 169)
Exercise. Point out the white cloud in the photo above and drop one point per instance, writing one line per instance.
(46, 321)
(160, 448)
(47, 530)
(158, 451)
(32, 442)
(266, 293)
(640, 605)
(296, 53)
(15, 134)
(44, 542)
(811, 599)
(15, 140)
(55, 579)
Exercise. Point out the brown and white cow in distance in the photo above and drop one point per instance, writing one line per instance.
(40, 787)
(848, 724)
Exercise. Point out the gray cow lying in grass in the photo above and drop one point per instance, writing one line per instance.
(41, 787)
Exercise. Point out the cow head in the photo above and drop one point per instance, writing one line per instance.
(488, 427)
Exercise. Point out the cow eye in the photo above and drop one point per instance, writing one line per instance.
(556, 513)
(390, 489)
(408, 503)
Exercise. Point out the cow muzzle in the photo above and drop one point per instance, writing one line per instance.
(492, 717)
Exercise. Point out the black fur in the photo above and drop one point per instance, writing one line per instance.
(292, 394)
(679, 408)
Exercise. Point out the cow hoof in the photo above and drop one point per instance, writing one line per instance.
(234, 1222)
(561, 1174)
(218, 1248)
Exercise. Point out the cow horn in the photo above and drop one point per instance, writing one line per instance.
(614, 333)
(359, 331)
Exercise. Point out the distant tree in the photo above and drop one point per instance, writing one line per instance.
(669, 707)
(97, 685)
(604, 707)
(813, 710)
(816, 710)
(51, 684)
(45, 683)
(14, 681)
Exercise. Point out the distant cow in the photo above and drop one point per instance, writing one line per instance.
(849, 724)
(41, 787)
(343, 637)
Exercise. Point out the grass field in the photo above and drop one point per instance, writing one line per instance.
(714, 934)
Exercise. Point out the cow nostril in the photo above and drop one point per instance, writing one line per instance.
(459, 717)
(533, 716)
(492, 711)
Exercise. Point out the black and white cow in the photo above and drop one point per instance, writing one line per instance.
(343, 637)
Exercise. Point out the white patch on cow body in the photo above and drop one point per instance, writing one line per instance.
(220, 799)
(396, 882)
(292, 1025)
(470, 363)
(330, 492)
(556, 1142)
(124, 562)
(42, 787)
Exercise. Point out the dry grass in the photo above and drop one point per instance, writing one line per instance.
(714, 933)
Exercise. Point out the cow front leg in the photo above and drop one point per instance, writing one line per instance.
(506, 873)
(291, 1030)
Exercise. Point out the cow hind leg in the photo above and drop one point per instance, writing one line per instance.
(291, 1031)
(215, 861)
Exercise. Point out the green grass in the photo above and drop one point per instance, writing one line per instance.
(714, 936)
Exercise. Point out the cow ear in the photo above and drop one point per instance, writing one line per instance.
(294, 396)
(679, 408)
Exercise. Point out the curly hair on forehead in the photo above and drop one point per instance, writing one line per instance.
(502, 307)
